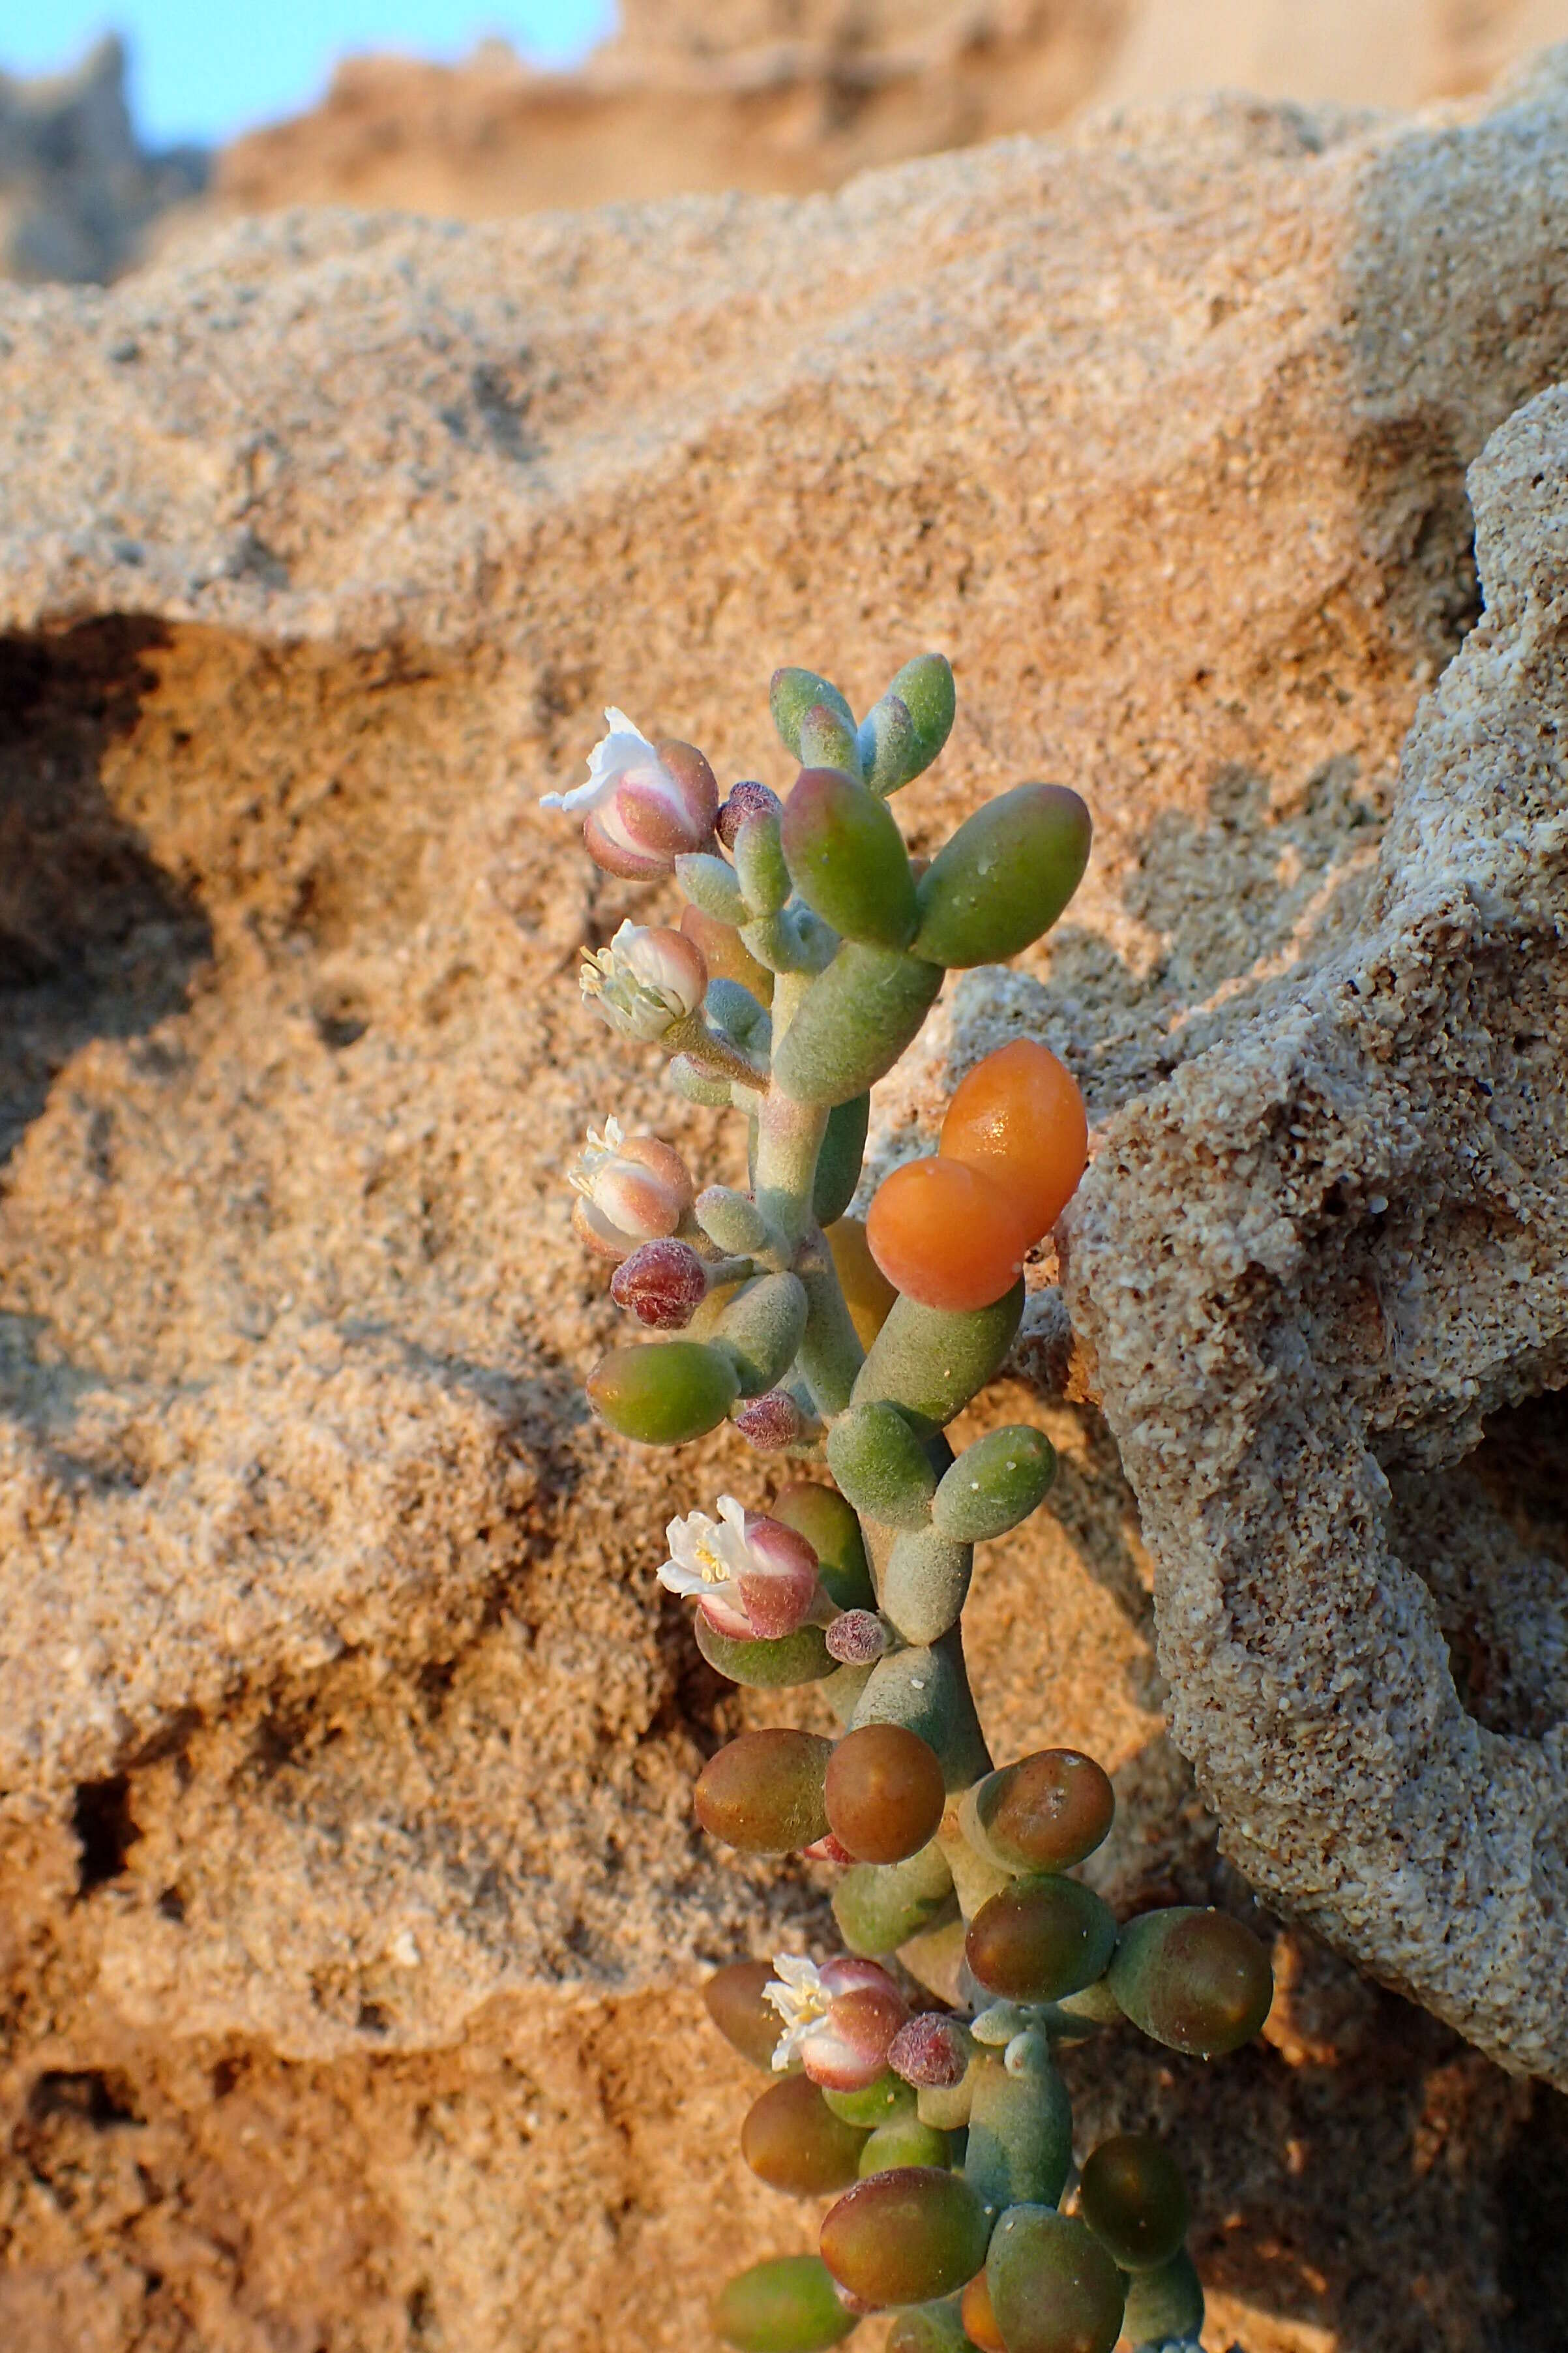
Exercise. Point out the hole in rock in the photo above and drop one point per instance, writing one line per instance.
(106, 1828)
(96, 939)
(1490, 1538)
(98, 2099)
(342, 1017)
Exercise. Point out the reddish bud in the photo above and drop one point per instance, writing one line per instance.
(747, 799)
(933, 2051)
(662, 1283)
(771, 1421)
(827, 1850)
(857, 1638)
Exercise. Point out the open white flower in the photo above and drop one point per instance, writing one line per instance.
(631, 1189)
(752, 1578)
(643, 804)
(646, 982)
(839, 2020)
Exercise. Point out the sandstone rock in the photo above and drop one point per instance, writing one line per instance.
(354, 1915)
(1392, 53)
(758, 98)
(774, 95)
(77, 192)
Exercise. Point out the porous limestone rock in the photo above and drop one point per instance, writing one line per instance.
(1312, 1267)
(353, 1912)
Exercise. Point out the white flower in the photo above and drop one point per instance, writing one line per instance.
(801, 2000)
(646, 981)
(839, 2020)
(753, 1579)
(631, 1189)
(643, 804)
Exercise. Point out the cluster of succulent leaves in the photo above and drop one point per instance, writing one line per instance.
(917, 2074)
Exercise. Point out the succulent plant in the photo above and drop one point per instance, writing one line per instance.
(809, 954)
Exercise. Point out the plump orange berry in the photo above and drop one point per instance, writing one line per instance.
(884, 1794)
(725, 952)
(1019, 1119)
(947, 1234)
(979, 2320)
(867, 1294)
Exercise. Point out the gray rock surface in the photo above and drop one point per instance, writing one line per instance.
(77, 191)
(1312, 1268)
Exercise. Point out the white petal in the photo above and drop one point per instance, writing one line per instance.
(581, 796)
(684, 1581)
(787, 2047)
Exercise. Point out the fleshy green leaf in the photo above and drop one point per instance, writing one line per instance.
(854, 1022)
(1004, 878)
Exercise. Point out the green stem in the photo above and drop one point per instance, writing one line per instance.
(789, 1137)
(830, 1354)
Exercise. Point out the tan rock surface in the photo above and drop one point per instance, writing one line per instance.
(1341, 52)
(773, 95)
(344, 1743)
(761, 98)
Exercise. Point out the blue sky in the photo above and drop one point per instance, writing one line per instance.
(205, 68)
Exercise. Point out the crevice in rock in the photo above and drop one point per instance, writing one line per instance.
(97, 2098)
(96, 939)
(105, 1827)
(1490, 1540)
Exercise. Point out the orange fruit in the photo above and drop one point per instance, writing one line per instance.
(1018, 1118)
(949, 1235)
(979, 2320)
(867, 1294)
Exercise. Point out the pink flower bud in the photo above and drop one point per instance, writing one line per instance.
(631, 1189)
(662, 1283)
(747, 801)
(778, 1579)
(644, 803)
(861, 2306)
(932, 2050)
(857, 1638)
(770, 1421)
(828, 1850)
(839, 2020)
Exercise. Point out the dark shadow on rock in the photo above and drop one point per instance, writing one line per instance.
(96, 939)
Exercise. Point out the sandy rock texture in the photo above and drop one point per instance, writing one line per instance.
(1312, 1268)
(353, 1916)
(792, 95)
